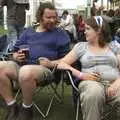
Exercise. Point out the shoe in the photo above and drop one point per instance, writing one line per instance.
(13, 111)
(25, 114)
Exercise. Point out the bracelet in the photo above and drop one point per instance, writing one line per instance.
(81, 75)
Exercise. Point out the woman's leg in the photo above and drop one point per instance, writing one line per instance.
(115, 104)
(92, 99)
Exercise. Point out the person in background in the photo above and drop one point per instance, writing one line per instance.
(117, 36)
(67, 23)
(75, 29)
(16, 14)
(1, 17)
(81, 29)
(99, 76)
(110, 13)
(42, 40)
(116, 20)
(117, 12)
(109, 18)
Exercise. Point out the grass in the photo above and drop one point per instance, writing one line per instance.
(59, 111)
(3, 31)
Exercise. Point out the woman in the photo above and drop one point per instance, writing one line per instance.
(100, 79)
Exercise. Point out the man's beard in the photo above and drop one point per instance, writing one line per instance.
(49, 28)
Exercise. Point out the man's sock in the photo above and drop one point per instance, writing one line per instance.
(11, 102)
(27, 106)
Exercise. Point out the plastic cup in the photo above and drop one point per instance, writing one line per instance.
(25, 49)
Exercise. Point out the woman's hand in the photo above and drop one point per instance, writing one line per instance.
(112, 90)
(78, 74)
(91, 76)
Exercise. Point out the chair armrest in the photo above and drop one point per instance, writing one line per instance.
(66, 70)
(69, 78)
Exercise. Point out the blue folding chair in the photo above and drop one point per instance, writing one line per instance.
(4, 53)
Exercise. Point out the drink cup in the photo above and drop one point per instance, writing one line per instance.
(25, 49)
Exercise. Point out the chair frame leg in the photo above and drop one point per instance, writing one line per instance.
(77, 109)
(17, 93)
(48, 109)
(78, 99)
(56, 95)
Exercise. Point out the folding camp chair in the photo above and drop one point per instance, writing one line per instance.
(4, 54)
(68, 79)
(108, 110)
(52, 87)
(3, 42)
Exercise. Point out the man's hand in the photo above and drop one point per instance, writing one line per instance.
(19, 56)
(45, 62)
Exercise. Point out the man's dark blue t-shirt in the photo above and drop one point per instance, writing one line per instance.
(52, 44)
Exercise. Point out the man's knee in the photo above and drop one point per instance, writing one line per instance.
(26, 73)
(38, 74)
(7, 64)
(9, 69)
